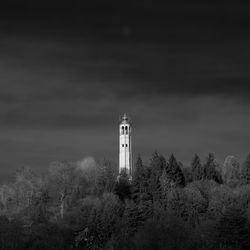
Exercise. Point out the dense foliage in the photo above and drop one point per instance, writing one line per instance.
(84, 205)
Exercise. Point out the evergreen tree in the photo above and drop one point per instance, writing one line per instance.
(187, 172)
(230, 171)
(245, 172)
(210, 171)
(139, 171)
(174, 172)
(140, 182)
(157, 164)
(166, 185)
(197, 169)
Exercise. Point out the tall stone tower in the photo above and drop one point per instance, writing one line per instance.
(125, 150)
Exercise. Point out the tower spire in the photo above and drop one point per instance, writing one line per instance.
(125, 118)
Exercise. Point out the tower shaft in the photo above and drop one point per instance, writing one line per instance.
(125, 149)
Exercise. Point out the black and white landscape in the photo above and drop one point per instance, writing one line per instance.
(78, 173)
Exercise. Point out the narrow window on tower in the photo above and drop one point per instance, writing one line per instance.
(123, 145)
(122, 130)
(126, 129)
(126, 145)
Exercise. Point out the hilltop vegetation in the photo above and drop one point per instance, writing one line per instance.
(166, 206)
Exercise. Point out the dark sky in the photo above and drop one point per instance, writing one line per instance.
(69, 69)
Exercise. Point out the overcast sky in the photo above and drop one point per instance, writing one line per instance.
(68, 70)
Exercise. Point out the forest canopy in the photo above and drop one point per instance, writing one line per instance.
(83, 205)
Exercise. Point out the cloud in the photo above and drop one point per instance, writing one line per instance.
(184, 81)
(62, 85)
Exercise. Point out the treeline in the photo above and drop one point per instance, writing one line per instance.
(167, 205)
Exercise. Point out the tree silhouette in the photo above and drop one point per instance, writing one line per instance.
(157, 164)
(245, 172)
(210, 171)
(231, 172)
(174, 171)
(140, 181)
(197, 169)
(139, 171)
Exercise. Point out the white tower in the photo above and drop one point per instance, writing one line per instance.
(125, 153)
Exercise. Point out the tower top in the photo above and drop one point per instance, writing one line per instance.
(125, 119)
